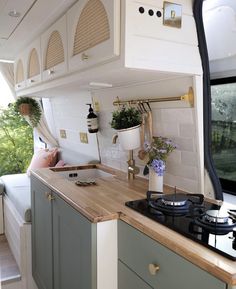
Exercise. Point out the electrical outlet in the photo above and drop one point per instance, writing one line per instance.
(83, 137)
(62, 133)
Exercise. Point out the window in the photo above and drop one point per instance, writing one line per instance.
(223, 102)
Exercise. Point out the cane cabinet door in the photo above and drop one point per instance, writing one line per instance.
(94, 32)
(54, 50)
(33, 63)
(20, 72)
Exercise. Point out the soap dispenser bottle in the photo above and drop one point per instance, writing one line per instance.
(92, 120)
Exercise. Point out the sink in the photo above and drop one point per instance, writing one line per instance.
(80, 173)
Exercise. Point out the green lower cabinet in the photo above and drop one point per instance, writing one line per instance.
(74, 248)
(42, 256)
(142, 255)
(63, 243)
(128, 279)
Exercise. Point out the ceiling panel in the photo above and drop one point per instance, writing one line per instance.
(24, 30)
(7, 23)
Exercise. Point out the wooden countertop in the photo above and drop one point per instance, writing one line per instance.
(106, 201)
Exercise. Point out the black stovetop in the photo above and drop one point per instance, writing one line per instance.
(189, 222)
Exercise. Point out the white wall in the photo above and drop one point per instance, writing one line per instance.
(68, 112)
(176, 120)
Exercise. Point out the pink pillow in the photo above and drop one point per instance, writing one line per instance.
(60, 163)
(43, 158)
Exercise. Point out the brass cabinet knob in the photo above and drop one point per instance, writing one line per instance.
(49, 196)
(84, 56)
(153, 269)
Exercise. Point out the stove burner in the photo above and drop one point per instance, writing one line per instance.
(216, 216)
(174, 204)
(215, 222)
(174, 200)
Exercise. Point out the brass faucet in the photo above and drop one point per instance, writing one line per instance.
(132, 169)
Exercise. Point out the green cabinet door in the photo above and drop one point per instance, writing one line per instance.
(42, 265)
(74, 248)
(128, 279)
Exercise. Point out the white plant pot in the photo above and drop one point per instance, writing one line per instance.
(129, 138)
(155, 181)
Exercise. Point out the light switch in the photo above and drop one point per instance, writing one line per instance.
(172, 15)
(83, 137)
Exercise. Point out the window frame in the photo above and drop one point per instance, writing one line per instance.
(208, 161)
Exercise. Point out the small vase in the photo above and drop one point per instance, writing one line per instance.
(155, 181)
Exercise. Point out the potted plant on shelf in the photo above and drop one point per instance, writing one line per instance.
(155, 156)
(29, 108)
(127, 122)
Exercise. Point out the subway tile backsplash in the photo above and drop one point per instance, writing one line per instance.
(173, 120)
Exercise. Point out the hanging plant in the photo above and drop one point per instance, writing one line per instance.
(29, 107)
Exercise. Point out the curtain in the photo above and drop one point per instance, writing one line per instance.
(7, 70)
(44, 132)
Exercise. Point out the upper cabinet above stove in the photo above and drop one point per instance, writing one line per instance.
(119, 42)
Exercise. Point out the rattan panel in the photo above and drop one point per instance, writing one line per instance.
(34, 68)
(55, 51)
(92, 28)
(19, 71)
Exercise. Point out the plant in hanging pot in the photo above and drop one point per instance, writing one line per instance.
(29, 108)
(155, 156)
(127, 122)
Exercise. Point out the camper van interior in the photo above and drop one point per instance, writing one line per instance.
(117, 144)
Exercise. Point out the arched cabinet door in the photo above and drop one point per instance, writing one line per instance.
(94, 32)
(19, 70)
(54, 50)
(33, 64)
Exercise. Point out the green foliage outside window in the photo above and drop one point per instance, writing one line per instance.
(16, 142)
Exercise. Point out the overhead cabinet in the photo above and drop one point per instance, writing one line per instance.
(117, 42)
(94, 32)
(20, 73)
(33, 53)
(54, 50)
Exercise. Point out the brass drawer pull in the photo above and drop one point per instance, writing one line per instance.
(153, 269)
(49, 196)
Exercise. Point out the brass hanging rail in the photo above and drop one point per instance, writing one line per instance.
(189, 97)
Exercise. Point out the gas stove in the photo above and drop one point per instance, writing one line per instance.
(190, 215)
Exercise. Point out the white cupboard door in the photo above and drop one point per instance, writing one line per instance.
(20, 72)
(54, 50)
(34, 63)
(94, 32)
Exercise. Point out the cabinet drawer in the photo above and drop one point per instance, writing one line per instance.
(137, 251)
(128, 279)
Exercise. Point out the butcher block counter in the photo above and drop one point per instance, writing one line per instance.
(106, 201)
